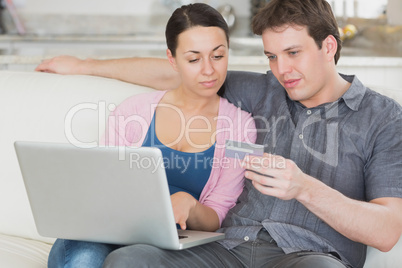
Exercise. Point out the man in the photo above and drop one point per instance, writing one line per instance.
(330, 182)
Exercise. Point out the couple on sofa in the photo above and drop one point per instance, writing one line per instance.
(330, 181)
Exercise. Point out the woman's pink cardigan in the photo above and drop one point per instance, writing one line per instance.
(129, 122)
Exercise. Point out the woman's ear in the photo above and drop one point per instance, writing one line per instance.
(330, 45)
(171, 59)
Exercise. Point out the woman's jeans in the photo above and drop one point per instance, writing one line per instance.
(71, 253)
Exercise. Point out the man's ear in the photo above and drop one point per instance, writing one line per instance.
(330, 45)
(171, 59)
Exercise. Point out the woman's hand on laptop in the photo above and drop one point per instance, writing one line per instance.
(189, 213)
(182, 203)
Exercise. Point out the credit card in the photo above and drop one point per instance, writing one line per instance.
(238, 150)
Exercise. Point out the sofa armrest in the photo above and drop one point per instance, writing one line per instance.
(48, 107)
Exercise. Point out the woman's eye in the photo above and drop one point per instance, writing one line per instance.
(218, 57)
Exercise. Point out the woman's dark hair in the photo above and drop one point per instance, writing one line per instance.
(316, 15)
(189, 16)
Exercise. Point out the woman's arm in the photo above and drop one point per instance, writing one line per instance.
(190, 213)
(227, 182)
(151, 72)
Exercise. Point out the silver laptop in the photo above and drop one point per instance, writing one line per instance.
(111, 195)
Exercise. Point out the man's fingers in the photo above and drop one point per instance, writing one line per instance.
(263, 179)
(260, 164)
(43, 66)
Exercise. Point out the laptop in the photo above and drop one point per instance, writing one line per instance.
(110, 195)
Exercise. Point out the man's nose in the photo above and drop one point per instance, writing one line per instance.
(284, 65)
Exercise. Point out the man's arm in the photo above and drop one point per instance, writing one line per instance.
(150, 72)
(377, 223)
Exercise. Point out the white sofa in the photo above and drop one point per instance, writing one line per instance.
(37, 107)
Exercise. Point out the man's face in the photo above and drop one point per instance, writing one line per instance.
(298, 64)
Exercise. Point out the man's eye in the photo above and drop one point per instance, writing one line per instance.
(293, 53)
(271, 57)
(193, 61)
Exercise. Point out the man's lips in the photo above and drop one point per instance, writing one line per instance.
(291, 82)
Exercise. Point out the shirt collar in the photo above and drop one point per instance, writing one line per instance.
(354, 95)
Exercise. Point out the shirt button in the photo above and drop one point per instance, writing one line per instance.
(301, 136)
(246, 238)
(308, 112)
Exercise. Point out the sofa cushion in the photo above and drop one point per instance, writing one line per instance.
(16, 252)
(378, 259)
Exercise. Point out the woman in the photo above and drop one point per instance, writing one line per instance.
(190, 125)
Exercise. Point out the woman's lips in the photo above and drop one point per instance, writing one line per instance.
(208, 84)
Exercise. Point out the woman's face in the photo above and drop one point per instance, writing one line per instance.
(201, 59)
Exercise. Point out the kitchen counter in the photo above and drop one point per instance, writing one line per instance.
(126, 45)
(243, 49)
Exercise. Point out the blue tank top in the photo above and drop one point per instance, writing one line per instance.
(187, 172)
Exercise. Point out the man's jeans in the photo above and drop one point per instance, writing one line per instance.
(260, 253)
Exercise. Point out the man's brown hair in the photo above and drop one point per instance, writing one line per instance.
(316, 15)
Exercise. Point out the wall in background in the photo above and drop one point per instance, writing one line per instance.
(360, 8)
(115, 7)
